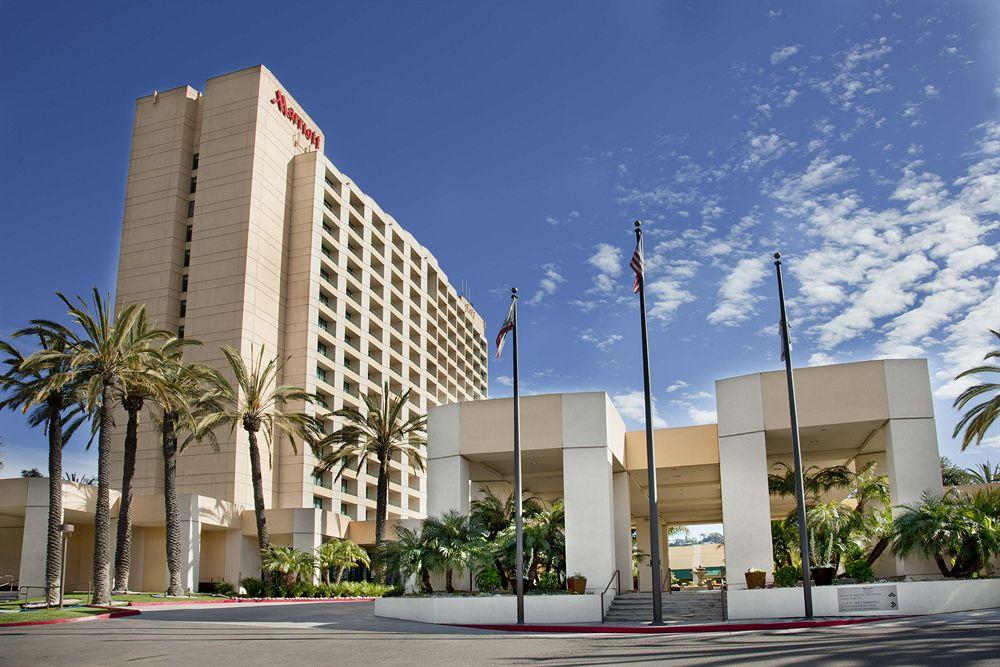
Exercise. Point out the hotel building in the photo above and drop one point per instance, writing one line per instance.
(239, 231)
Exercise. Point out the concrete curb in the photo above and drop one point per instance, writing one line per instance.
(167, 603)
(678, 629)
(96, 617)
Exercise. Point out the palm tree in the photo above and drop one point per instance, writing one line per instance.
(382, 433)
(958, 531)
(188, 407)
(56, 411)
(340, 554)
(456, 543)
(978, 419)
(79, 478)
(872, 519)
(984, 473)
(785, 540)
(101, 359)
(492, 514)
(134, 395)
(815, 481)
(287, 561)
(255, 404)
(411, 554)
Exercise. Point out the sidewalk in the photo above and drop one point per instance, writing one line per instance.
(675, 628)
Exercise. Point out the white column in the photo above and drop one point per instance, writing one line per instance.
(190, 540)
(746, 506)
(447, 485)
(644, 546)
(34, 539)
(306, 534)
(587, 492)
(913, 468)
(623, 528)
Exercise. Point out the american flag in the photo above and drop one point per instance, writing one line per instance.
(636, 264)
(781, 335)
(505, 328)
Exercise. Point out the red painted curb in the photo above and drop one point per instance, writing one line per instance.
(675, 629)
(165, 603)
(52, 621)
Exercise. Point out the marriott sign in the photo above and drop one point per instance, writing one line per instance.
(311, 135)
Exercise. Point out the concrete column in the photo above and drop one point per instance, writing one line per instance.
(913, 467)
(447, 485)
(746, 506)
(306, 534)
(587, 492)
(34, 539)
(643, 544)
(190, 540)
(623, 528)
(242, 557)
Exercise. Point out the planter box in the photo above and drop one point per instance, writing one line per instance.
(495, 609)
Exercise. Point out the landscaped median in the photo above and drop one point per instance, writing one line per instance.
(56, 615)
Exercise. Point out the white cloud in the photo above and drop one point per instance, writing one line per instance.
(632, 406)
(552, 220)
(602, 343)
(764, 148)
(931, 91)
(666, 295)
(680, 384)
(550, 281)
(697, 415)
(737, 300)
(966, 342)
(821, 359)
(607, 259)
(784, 53)
(505, 380)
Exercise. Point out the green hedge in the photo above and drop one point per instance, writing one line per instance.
(305, 589)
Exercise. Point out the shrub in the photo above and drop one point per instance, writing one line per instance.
(361, 589)
(860, 571)
(488, 580)
(787, 576)
(252, 586)
(303, 589)
(548, 582)
(324, 590)
(223, 587)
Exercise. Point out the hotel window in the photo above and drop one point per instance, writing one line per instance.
(184, 307)
(194, 184)
(184, 283)
(180, 331)
(194, 161)
(321, 348)
(348, 339)
(191, 209)
(347, 362)
(321, 374)
(324, 299)
(188, 234)
(321, 399)
(325, 276)
(318, 477)
(317, 503)
(344, 488)
(347, 387)
(324, 325)
(344, 510)
(328, 229)
(187, 258)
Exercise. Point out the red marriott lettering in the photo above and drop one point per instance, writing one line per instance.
(311, 135)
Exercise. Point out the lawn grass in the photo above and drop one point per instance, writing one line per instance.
(50, 614)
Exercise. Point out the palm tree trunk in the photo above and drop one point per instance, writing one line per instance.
(425, 580)
(54, 544)
(340, 574)
(102, 511)
(123, 550)
(171, 511)
(942, 565)
(381, 507)
(448, 581)
(263, 540)
(877, 550)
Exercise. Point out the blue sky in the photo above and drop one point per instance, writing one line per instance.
(518, 141)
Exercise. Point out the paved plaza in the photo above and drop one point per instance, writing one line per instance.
(349, 634)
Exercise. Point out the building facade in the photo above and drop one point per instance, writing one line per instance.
(239, 231)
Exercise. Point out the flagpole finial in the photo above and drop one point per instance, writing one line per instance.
(777, 258)
(638, 224)
(513, 292)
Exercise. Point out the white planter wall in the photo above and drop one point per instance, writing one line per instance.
(498, 609)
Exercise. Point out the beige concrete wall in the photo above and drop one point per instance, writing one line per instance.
(691, 556)
(213, 556)
(10, 552)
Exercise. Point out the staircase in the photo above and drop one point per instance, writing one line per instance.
(678, 607)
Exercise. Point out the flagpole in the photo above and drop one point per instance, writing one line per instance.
(800, 499)
(518, 519)
(654, 516)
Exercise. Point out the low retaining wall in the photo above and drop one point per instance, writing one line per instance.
(909, 597)
(494, 609)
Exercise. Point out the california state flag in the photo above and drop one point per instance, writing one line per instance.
(505, 328)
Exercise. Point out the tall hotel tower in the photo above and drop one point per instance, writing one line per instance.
(239, 231)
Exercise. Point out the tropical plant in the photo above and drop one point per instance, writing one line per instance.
(411, 554)
(815, 481)
(135, 389)
(959, 531)
(100, 357)
(952, 475)
(252, 585)
(492, 513)
(289, 562)
(381, 432)
(79, 478)
(54, 408)
(985, 473)
(256, 404)
(785, 541)
(830, 532)
(339, 554)
(787, 576)
(859, 570)
(456, 543)
(488, 580)
(978, 419)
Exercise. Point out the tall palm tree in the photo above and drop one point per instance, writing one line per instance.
(382, 432)
(54, 408)
(978, 419)
(339, 554)
(101, 358)
(255, 403)
(134, 395)
(188, 410)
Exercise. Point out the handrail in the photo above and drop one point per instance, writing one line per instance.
(9, 581)
(617, 575)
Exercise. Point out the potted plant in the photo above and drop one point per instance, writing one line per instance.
(577, 583)
(755, 577)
